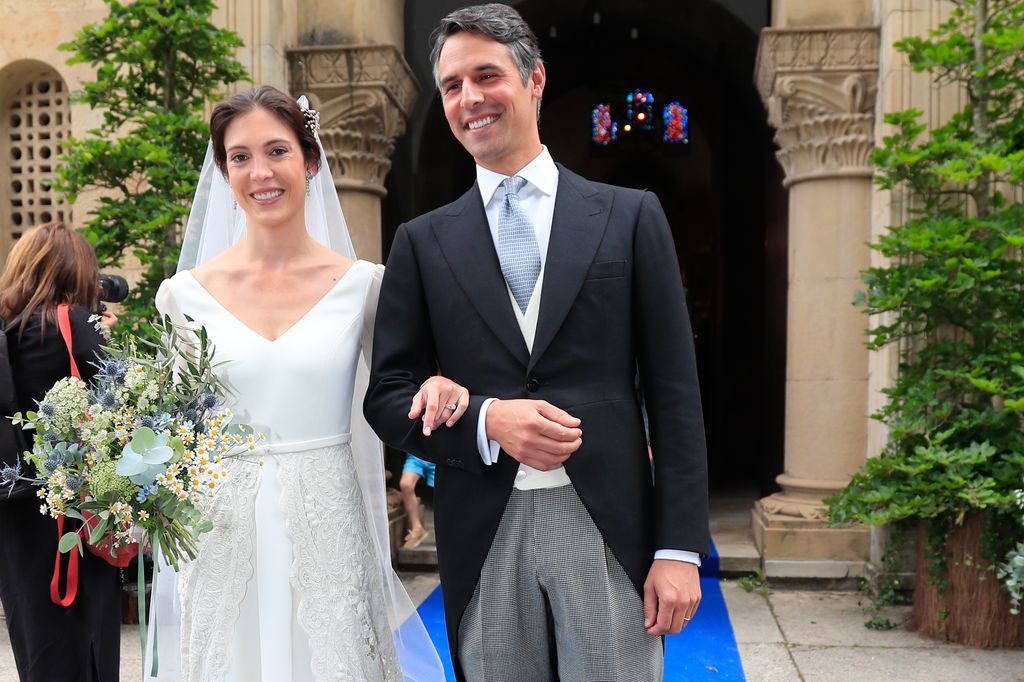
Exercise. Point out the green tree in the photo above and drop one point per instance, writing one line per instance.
(157, 64)
(951, 298)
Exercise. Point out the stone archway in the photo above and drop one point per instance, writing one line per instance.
(723, 192)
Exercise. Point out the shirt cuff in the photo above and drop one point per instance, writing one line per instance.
(678, 555)
(488, 449)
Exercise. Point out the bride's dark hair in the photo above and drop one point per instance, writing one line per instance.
(283, 106)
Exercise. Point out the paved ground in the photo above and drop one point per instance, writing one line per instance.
(788, 635)
(820, 636)
(784, 635)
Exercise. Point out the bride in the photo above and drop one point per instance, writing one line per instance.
(294, 582)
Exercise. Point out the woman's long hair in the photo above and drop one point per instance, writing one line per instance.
(49, 265)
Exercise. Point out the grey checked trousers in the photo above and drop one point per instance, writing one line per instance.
(553, 603)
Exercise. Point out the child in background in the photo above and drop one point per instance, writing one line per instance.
(414, 469)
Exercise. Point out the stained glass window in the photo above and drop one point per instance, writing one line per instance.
(639, 107)
(605, 129)
(676, 124)
(639, 117)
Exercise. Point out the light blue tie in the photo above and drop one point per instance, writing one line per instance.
(517, 244)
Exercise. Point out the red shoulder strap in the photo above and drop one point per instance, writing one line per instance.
(71, 586)
(64, 322)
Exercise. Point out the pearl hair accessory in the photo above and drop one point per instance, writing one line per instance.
(312, 119)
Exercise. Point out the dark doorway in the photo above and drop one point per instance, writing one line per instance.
(722, 192)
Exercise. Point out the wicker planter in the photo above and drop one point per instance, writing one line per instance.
(976, 606)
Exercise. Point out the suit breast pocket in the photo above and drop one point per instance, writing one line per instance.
(607, 269)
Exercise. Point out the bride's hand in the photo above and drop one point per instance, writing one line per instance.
(434, 401)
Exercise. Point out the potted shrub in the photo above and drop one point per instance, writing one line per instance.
(951, 300)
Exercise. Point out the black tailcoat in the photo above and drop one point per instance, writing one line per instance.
(611, 307)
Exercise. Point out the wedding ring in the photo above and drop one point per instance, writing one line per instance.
(452, 406)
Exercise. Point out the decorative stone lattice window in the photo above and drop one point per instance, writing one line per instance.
(37, 126)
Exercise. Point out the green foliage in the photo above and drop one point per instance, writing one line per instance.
(1011, 571)
(755, 582)
(157, 64)
(951, 297)
(877, 622)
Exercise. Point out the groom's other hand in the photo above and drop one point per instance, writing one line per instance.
(534, 432)
(434, 401)
(671, 596)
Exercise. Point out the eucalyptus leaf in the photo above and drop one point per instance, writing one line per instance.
(69, 541)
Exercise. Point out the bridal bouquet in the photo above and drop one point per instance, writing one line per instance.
(133, 456)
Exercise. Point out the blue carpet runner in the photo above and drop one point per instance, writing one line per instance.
(705, 650)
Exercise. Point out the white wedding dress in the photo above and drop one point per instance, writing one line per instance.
(287, 585)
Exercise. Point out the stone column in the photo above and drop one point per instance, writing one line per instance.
(365, 94)
(349, 63)
(819, 85)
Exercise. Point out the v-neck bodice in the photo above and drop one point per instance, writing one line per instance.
(299, 385)
(337, 285)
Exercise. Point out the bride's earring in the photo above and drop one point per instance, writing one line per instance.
(309, 176)
(234, 204)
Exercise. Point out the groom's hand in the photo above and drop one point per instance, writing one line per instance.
(671, 596)
(534, 432)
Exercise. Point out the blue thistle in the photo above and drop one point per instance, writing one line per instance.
(9, 475)
(107, 400)
(147, 421)
(52, 462)
(113, 369)
(209, 401)
(50, 438)
(48, 410)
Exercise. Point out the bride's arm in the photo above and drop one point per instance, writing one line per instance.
(436, 394)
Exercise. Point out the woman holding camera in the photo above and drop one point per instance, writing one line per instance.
(48, 266)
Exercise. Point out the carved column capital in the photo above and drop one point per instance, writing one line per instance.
(820, 86)
(365, 94)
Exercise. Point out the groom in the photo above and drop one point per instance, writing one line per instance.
(564, 550)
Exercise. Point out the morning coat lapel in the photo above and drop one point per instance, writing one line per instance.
(465, 239)
(577, 227)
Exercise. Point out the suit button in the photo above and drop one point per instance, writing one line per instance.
(532, 385)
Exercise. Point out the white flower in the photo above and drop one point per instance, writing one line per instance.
(64, 405)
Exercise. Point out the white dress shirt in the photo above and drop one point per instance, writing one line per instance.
(537, 199)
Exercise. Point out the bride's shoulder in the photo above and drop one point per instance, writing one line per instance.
(169, 293)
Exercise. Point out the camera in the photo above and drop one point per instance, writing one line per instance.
(113, 289)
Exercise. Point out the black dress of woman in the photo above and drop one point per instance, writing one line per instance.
(80, 643)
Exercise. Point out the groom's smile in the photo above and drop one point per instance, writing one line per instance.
(481, 122)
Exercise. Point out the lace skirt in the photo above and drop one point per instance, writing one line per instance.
(286, 585)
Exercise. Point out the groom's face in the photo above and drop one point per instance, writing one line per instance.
(489, 108)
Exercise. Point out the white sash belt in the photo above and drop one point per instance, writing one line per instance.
(302, 445)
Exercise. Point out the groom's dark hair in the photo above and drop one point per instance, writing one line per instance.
(282, 106)
(498, 22)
